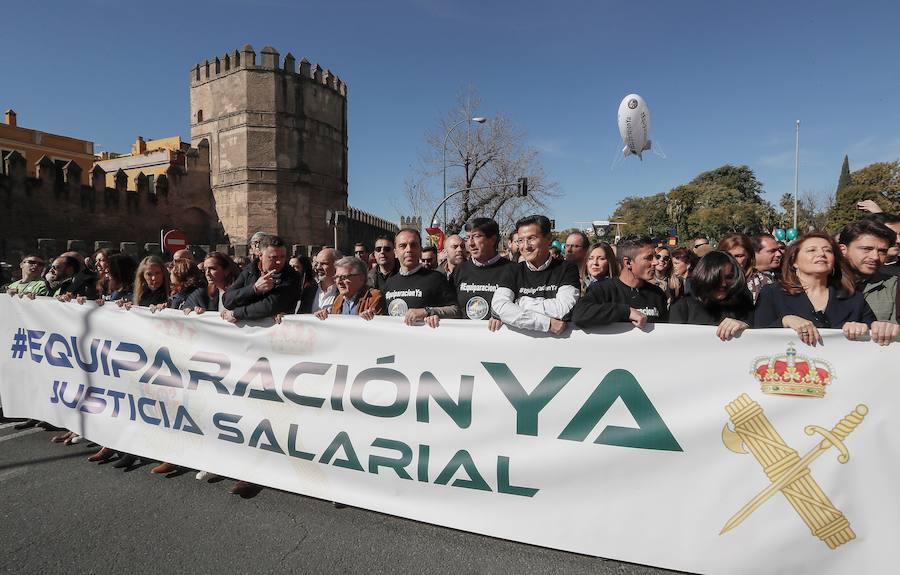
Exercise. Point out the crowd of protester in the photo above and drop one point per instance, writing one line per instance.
(848, 282)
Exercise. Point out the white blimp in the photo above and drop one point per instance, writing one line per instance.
(634, 125)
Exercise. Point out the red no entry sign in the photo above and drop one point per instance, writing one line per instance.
(174, 240)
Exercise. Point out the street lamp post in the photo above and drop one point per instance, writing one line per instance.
(478, 119)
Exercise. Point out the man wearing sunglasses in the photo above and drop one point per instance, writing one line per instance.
(32, 282)
(62, 272)
(697, 246)
(360, 251)
(354, 296)
(386, 264)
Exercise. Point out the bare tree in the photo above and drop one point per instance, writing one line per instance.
(491, 154)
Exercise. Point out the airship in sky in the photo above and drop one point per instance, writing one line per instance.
(634, 125)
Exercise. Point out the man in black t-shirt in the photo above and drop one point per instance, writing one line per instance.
(476, 279)
(539, 292)
(415, 293)
(629, 297)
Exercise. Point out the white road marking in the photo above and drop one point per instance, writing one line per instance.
(20, 434)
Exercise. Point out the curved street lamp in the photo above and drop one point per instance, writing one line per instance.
(477, 119)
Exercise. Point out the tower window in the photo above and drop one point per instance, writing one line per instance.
(199, 115)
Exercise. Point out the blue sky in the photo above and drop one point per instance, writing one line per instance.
(725, 81)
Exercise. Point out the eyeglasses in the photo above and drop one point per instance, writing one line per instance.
(384, 249)
(662, 257)
(345, 278)
(703, 244)
(528, 240)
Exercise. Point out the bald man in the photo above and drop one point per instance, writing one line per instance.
(455, 249)
(323, 266)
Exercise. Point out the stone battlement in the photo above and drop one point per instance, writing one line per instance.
(57, 202)
(269, 59)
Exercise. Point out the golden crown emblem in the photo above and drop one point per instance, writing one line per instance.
(792, 374)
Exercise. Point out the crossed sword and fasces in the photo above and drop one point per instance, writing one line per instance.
(787, 471)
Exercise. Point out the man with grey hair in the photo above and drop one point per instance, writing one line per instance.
(253, 245)
(323, 266)
(354, 297)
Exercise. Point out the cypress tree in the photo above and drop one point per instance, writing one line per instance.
(844, 180)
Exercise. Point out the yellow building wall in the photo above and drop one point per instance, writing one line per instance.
(33, 144)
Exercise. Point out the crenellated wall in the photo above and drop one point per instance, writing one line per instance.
(277, 130)
(59, 204)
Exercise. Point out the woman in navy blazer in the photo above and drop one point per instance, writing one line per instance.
(814, 293)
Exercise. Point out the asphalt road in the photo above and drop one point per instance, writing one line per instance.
(62, 514)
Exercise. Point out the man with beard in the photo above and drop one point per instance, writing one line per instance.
(455, 251)
(892, 264)
(477, 279)
(864, 245)
(415, 293)
(539, 292)
(62, 271)
(629, 297)
(430, 257)
(266, 287)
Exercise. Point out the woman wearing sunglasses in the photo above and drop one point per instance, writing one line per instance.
(663, 278)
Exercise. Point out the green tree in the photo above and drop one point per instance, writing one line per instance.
(810, 214)
(879, 182)
(738, 178)
(844, 180)
(643, 215)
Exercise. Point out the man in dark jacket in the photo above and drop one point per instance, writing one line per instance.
(629, 297)
(386, 264)
(265, 288)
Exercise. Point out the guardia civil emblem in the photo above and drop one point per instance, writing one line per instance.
(788, 472)
(477, 308)
(398, 308)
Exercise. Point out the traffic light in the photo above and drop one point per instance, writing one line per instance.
(522, 185)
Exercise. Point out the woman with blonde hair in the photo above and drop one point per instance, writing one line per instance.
(151, 283)
(663, 278)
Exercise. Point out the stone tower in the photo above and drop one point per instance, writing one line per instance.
(278, 143)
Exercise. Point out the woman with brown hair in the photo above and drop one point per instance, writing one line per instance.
(814, 292)
(601, 263)
(184, 279)
(220, 271)
(683, 262)
(740, 247)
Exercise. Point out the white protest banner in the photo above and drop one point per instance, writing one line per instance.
(632, 445)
